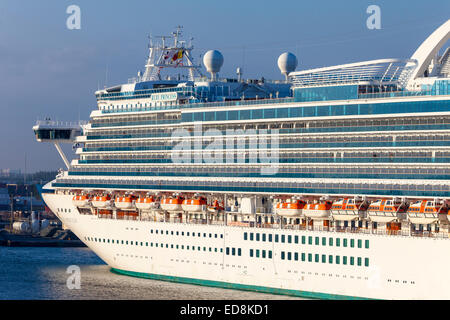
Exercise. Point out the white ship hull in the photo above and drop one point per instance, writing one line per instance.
(400, 267)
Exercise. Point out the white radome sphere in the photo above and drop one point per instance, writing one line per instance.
(213, 61)
(287, 62)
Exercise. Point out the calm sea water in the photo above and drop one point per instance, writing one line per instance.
(40, 273)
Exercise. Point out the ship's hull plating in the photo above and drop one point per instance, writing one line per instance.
(398, 267)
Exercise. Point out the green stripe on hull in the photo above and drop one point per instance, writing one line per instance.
(228, 285)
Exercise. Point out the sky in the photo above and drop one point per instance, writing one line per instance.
(48, 70)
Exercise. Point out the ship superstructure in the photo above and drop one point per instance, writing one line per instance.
(333, 183)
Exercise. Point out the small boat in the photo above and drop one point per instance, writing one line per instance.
(146, 203)
(319, 210)
(384, 210)
(81, 200)
(292, 208)
(102, 201)
(125, 202)
(172, 203)
(426, 211)
(215, 207)
(197, 204)
(347, 209)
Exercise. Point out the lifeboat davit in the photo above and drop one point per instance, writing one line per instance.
(319, 210)
(384, 211)
(172, 204)
(81, 201)
(293, 208)
(194, 205)
(426, 211)
(103, 201)
(125, 202)
(346, 209)
(146, 203)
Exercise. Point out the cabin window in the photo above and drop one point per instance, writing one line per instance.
(359, 261)
(330, 259)
(330, 242)
(251, 252)
(324, 258)
(359, 243)
(324, 241)
(366, 262)
(296, 239)
(245, 235)
(352, 243)
(282, 255)
(263, 237)
(338, 259)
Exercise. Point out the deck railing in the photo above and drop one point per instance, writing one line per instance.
(442, 234)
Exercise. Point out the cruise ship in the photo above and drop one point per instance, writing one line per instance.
(330, 184)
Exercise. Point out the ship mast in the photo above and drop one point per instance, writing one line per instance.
(162, 56)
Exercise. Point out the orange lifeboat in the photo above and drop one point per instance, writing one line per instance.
(81, 201)
(125, 202)
(146, 203)
(346, 209)
(172, 204)
(318, 211)
(194, 205)
(384, 211)
(102, 201)
(426, 211)
(293, 208)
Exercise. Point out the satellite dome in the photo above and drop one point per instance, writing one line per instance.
(213, 61)
(287, 62)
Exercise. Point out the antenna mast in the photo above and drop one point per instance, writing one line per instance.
(163, 56)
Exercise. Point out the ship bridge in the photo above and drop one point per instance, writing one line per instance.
(58, 132)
